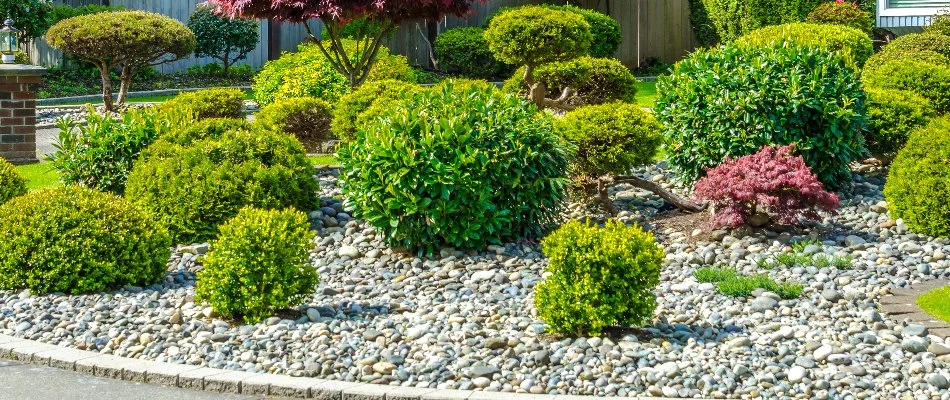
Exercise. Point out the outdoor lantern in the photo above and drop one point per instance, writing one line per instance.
(9, 41)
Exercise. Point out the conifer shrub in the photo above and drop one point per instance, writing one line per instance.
(610, 138)
(842, 12)
(918, 183)
(894, 115)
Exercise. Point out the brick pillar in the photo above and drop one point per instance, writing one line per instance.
(18, 84)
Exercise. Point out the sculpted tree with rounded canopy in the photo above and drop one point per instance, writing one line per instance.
(335, 14)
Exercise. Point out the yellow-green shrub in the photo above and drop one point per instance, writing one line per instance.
(893, 115)
(305, 118)
(12, 183)
(610, 138)
(353, 105)
(851, 43)
(208, 103)
(918, 183)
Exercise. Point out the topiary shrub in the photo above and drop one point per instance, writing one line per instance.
(918, 184)
(455, 168)
(920, 41)
(879, 59)
(212, 128)
(610, 138)
(464, 51)
(893, 115)
(731, 102)
(849, 42)
(305, 118)
(772, 183)
(194, 188)
(209, 103)
(353, 105)
(605, 31)
(75, 240)
(258, 265)
(307, 73)
(733, 18)
(595, 80)
(12, 183)
(931, 81)
(842, 13)
(223, 38)
(940, 25)
(598, 278)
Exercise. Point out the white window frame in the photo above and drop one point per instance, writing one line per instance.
(883, 11)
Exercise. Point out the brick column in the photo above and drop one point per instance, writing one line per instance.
(18, 84)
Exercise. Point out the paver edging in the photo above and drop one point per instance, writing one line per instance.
(902, 305)
(219, 380)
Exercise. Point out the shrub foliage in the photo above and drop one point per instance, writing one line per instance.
(851, 43)
(305, 118)
(894, 115)
(610, 138)
(535, 35)
(605, 31)
(842, 13)
(208, 103)
(464, 51)
(349, 109)
(595, 80)
(918, 183)
(223, 38)
(12, 183)
(929, 80)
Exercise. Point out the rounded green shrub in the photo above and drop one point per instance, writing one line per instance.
(194, 188)
(20, 57)
(920, 41)
(12, 183)
(893, 115)
(307, 73)
(598, 278)
(610, 138)
(879, 59)
(730, 102)
(849, 42)
(605, 31)
(940, 25)
(212, 128)
(74, 240)
(931, 81)
(595, 80)
(464, 51)
(350, 107)
(733, 18)
(455, 168)
(305, 118)
(535, 35)
(208, 103)
(846, 14)
(258, 265)
(918, 184)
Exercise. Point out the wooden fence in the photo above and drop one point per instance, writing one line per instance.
(652, 29)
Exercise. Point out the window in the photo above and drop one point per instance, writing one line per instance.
(917, 3)
(911, 8)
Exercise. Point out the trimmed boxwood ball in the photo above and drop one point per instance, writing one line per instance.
(847, 14)
(212, 128)
(193, 188)
(605, 30)
(610, 138)
(852, 43)
(939, 25)
(879, 59)
(730, 102)
(258, 265)
(75, 240)
(350, 107)
(596, 80)
(464, 51)
(208, 103)
(463, 169)
(893, 115)
(929, 80)
(918, 184)
(305, 118)
(12, 183)
(598, 278)
(935, 42)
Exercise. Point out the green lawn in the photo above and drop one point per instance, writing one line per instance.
(646, 94)
(936, 302)
(323, 160)
(39, 176)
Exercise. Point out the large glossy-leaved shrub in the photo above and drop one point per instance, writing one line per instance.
(851, 43)
(12, 183)
(773, 182)
(447, 167)
(72, 239)
(195, 187)
(258, 265)
(893, 115)
(595, 80)
(350, 107)
(918, 183)
(305, 118)
(730, 102)
(598, 278)
(464, 51)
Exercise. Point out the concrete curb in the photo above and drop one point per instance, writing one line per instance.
(239, 382)
(901, 305)
(97, 97)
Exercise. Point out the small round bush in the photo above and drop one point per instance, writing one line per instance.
(307, 73)
(730, 102)
(893, 115)
(258, 265)
(208, 103)
(75, 240)
(20, 57)
(598, 278)
(454, 168)
(940, 25)
(918, 184)
(879, 59)
(534, 35)
(464, 51)
(847, 14)
(931, 81)
(305, 118)
(212, 128)
(849, 42)
(605, 31)
(595, 80)
(920, 41)
(610, 138)
(12, 183)
(351, 106)
(194, 188)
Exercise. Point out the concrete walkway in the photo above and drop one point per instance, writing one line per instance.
(20, 381)
(44, 142)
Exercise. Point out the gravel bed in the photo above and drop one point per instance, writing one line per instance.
(466, 320)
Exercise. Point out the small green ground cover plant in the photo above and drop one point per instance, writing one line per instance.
(258, 264)
(598, 278)
(937, 303)
(798, 257)
(732, 283)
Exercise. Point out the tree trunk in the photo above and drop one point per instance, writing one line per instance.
(672, 198)
(126, 82)
(605, 201)
(537, 91)
(106, 87)
(226, 61)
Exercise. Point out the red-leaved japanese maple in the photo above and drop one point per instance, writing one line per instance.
(335, 14)
(772, 182)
